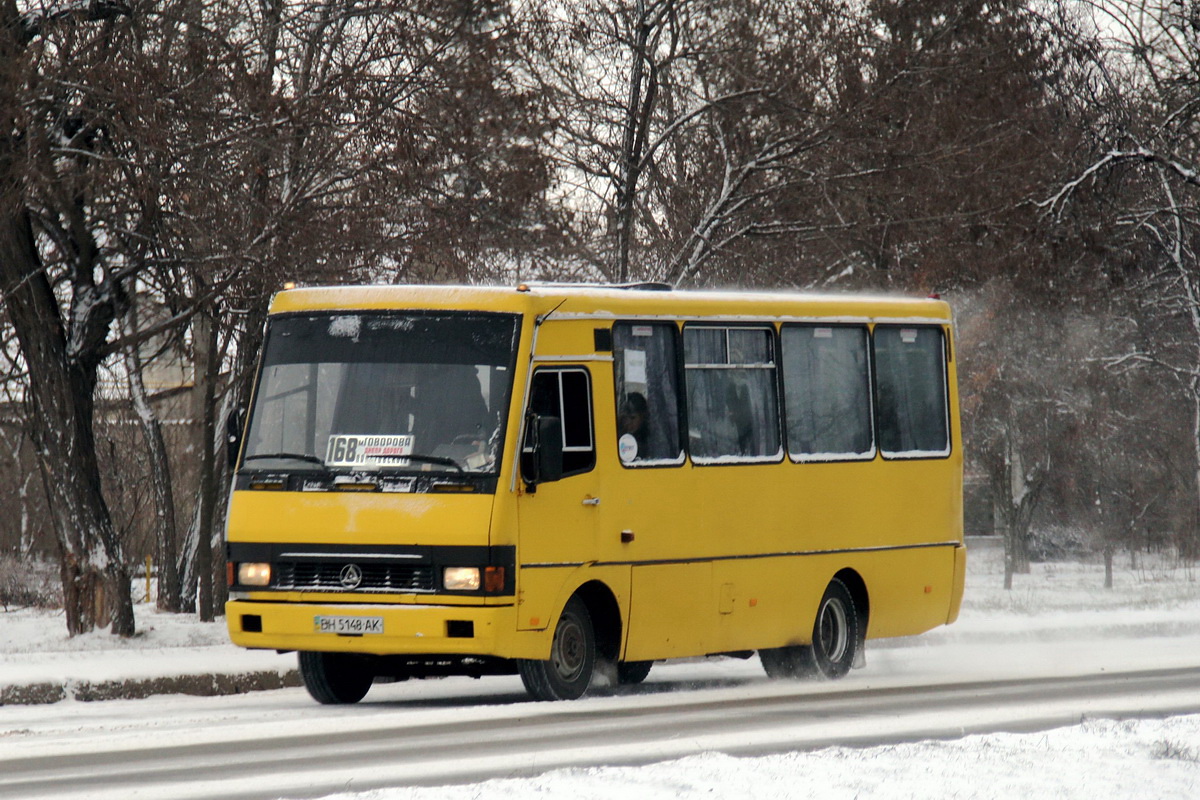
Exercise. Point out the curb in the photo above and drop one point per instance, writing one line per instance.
(211, 685)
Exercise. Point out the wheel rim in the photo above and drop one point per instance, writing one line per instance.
(832, 635)
(570, 649)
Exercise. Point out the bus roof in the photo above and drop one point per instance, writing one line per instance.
(599, 302)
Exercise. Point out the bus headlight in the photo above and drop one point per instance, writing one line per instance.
(254, 574)
(461, 579)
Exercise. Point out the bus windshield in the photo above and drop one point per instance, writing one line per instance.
(418, 391)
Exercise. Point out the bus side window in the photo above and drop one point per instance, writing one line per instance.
(910, 387)
(732, 398)
(827, 392)
(567, 395)
(646, 376)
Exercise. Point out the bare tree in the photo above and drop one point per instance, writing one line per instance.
(675, 119)
(209, 152)
(1010, 414)
(803, 142)
(607, 66)
(1147, 71)
(160, 469)
(62, 345)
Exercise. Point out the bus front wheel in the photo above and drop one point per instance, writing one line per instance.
(567, 674)
(631, 673)
(335, 678)
(835, 641)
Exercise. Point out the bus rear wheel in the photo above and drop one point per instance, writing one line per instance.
(567, 674)
(335, 678)
(783, 663)
(835, 641)
(835, 634)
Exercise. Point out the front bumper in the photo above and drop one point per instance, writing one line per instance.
(407, 629)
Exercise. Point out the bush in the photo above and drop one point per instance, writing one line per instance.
(29, 582)
(1059, 543)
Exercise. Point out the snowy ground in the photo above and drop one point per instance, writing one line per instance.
(1097, 760)
(1094, 761)
(1055, 620)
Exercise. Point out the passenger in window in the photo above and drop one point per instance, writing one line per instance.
(451, 410)
(737, 401)
(632, 421)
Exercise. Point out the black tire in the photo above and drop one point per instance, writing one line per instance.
(631, 673)
(835, 637)
(567, 674)
(336, 678)
(788, 663)
(835, 641)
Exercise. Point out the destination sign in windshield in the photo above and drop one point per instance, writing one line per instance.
(362, 450)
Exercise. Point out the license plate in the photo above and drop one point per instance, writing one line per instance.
(350, 625)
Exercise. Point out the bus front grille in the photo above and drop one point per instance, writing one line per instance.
(308, 576)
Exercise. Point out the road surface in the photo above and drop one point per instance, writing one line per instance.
(281, 744)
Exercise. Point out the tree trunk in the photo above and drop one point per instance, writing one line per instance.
(60, 398)
(204, 344)
(1016, 541)
(638, 108)
(24, 512)
(62, 378)
(245, 359)
(220, 415)
(187, 562)
(1016, 490)
(169, 596)
(1009, 571)
(1191, 292)
(1194, 547)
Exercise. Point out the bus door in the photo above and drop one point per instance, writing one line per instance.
(556, 511)
(652, 501)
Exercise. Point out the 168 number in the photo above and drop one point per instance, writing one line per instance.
(342, 449)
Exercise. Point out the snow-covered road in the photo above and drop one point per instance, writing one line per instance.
(281, 744)
(1012, 663)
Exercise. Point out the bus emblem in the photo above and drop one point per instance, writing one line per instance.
(350, 577)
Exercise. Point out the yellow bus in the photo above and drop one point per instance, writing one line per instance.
(572, 482)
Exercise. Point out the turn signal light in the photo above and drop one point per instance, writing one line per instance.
(493, 579)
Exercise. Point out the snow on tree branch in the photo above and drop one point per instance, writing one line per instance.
(34, 22)
(1057, 202)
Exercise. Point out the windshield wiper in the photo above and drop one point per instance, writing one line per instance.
(443, 460)
(311, 459)
(425, 459)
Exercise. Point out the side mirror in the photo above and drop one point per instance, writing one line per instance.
(550, 449)
(542, 459)
(235, 423)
